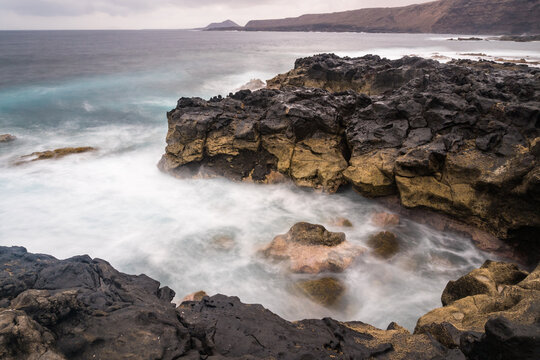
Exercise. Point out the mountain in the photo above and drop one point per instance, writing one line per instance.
(443, 16)
(227, 24)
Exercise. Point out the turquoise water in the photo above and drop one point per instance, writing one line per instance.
(111, 90)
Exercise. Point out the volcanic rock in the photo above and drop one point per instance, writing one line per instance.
(494, 290)
(309, 248)
(461, 138)
(82, 308)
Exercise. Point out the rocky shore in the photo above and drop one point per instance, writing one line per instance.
(82, 308)
(460, 138)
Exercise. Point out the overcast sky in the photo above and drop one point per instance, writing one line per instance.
(163, 14)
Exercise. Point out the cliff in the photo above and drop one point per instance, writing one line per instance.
(443, 16)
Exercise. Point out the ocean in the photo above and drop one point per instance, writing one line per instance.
(112, 89)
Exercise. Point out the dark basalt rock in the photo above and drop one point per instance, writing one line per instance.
(461, 138)
(82, 308)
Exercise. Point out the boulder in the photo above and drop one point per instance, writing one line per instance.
(326, 291)
(492, 291)
(309, 248)
(384, 244)
(5, 138)
(489, 279)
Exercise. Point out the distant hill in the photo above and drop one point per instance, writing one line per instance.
(443, 16)
(227, 24)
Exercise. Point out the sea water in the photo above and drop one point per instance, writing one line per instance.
(111, 90)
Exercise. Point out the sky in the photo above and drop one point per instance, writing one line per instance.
(163, 14)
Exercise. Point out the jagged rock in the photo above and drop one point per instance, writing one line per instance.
(461, 138)
(503, 339)
(54, 154)
(384, 244)
(384, 219)
(309, 248)
(5, 138)
(223, 325)
(489, 279)
(325, 291)
(81, 308)
(491, 291)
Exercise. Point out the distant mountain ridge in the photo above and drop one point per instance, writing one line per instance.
(227, 24)
(443, 16)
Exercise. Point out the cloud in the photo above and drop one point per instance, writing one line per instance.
(162, 14)
(110, 7)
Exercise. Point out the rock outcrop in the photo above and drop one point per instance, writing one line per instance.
(460, 138)
(82, 308)
(54, 154)
(309, 248)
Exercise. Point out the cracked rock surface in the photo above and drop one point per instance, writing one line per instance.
(461, 138)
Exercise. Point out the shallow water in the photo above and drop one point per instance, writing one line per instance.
(111, 90)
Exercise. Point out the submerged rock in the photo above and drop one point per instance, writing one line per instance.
(309, 248)
(5, 138)
(385, 220)
(327, 291)
(341, 222)
(384, 244)
(461, 138)
(54, 154)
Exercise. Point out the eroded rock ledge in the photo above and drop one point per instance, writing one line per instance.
(461, 138)
(82, 308)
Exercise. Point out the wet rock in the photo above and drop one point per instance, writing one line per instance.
(503, 339)
(341, 222)
(309, 248)
(385, 220)
(460, 138)
(310, 234)
(5, 138)
(54, 154)
(491, 291)
(327, 291)
(384, 244)
(197, 296)
(489, 279)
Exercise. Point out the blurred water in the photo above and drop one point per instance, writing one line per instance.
(111, 89)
